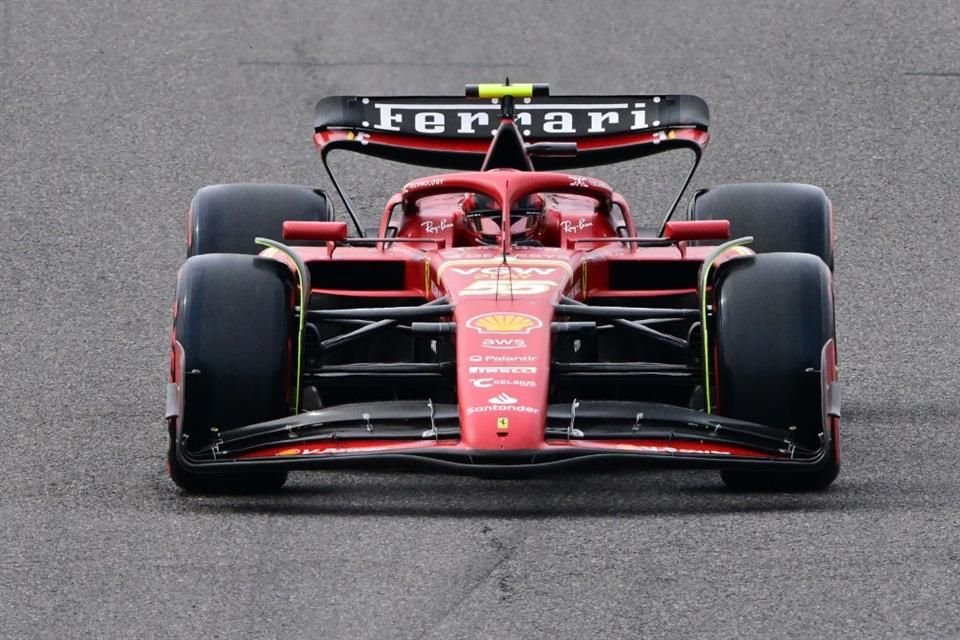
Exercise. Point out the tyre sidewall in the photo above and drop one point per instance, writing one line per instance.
(774, 314)
(234, 322)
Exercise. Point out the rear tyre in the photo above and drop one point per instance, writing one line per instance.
(227, 218)
(774, 317)
(234, 321)
(780, 216)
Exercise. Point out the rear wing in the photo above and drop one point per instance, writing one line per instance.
(456, 132)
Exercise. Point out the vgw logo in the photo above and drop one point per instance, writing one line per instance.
(504, 271)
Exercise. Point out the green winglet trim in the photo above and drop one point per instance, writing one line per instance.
(702, 279)
(303, 275)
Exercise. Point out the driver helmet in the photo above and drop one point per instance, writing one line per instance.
(482, 218)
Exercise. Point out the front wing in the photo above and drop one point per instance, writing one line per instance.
(592, 434)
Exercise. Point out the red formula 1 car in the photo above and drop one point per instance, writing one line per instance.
(506, 318)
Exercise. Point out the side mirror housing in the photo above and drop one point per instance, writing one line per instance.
(311, 231)
(685, 230)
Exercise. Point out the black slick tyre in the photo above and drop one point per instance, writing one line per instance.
(234, 322)
(774, 315)
(780, 216)
(227, 218)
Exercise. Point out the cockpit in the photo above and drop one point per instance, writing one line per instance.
(482, 220)
(470, 219)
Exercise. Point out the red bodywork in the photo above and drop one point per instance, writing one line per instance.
(504, 298)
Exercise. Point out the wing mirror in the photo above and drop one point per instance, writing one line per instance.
(684, 230)
(311, 231)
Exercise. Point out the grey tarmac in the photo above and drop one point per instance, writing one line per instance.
(113, 113)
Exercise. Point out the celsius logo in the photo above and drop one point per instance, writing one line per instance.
(486, 383)
(502, 398)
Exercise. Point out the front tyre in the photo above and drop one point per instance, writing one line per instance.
(774, 321)
(233, 321)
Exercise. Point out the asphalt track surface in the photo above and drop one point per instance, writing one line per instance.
(114, 113)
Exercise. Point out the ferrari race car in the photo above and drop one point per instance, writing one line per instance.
(507, 317)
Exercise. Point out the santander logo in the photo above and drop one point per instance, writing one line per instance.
(502, 398)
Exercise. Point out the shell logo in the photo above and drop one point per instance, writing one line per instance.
(504, 323)
(288, 452)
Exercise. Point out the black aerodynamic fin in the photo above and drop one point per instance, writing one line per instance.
(507, 150)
